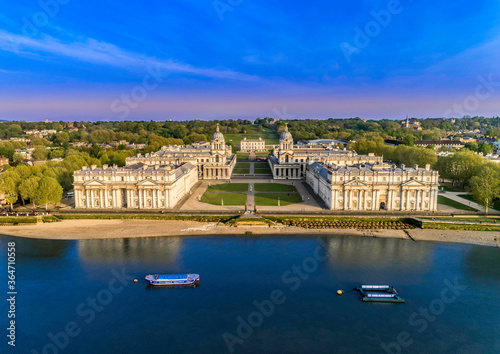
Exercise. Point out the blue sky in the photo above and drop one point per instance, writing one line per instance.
(201, 59)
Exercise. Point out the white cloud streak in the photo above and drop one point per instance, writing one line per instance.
(103, 53)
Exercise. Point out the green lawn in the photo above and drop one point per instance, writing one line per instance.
(252, 132)
(449, 188)
(271, 199)
(242, 168)
(447, 201)
(274, 187)
(262, 171)
(261, 165)
(229, 198)
(228, 187)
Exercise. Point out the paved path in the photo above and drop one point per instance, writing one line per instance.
(252, 168)
(251, 196)
(455, 196)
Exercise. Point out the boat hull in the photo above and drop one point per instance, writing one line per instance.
(174, 280)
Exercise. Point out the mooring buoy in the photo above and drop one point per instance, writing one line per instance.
(339, 292)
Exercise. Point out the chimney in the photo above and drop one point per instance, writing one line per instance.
(403, 166)
(427, 167)
(93, 167)
(104, 166)
(415, 166)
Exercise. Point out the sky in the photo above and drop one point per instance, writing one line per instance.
(206, 59)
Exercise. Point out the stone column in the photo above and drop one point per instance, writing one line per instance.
(374, 201)
(350, 199)
(334, 200)
(408, 194)
(417, 199)
(91, 191)
(154, 198)
(140, 198)
(344, 202)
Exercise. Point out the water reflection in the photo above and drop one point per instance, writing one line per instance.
(385, 253)
(31, 247)
(151, 249)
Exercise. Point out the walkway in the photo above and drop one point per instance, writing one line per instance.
(455, 196)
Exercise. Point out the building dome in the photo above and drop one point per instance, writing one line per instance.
(286, 134)
(217, 135)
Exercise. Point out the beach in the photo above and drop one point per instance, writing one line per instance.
(107, 229)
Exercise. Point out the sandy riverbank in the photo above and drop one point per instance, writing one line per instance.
(104, 229)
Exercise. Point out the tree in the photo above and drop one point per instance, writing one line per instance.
(40, 153)
(485, 185)
(408, 140)
(49, 191)
(28, 188)
(8, 188)
(17, 158)
(485, 148)
(61, 138)
(459, 167)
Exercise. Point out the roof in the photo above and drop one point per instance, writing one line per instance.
(320, 169)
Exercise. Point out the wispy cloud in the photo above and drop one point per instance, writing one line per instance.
(103, 53)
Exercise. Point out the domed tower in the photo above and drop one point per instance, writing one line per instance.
(218, 141)
(286, 140)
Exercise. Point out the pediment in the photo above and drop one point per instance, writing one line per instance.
(147, 183)
(355, 182)
(413, 183)
(93, 183)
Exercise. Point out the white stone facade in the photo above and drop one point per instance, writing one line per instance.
(214, 160)
(253, 145)
(289, 161)
(138, 186)
(369, 187)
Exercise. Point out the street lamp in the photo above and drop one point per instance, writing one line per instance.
(278, 201)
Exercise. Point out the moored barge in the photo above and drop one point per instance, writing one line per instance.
(173, 280)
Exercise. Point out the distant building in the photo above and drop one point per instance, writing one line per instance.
(408, 124)
(374, 186)
(457, 144)
(139, 186)
(4, 161)
(253, 145)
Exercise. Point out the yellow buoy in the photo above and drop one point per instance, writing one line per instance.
(339, 292)
(135, 280)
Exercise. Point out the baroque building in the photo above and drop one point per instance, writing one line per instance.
(138, 186)
(374, 186)
(214, 160)
(289, 161)
(253, 145)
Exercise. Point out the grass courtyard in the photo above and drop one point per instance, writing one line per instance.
(274, 187)
(261, 168)
(242, 168)
(228, 187)
(267, 194)
(228, 198)
(271, 199)
(230, 193)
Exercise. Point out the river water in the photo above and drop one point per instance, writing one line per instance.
(256, 294)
